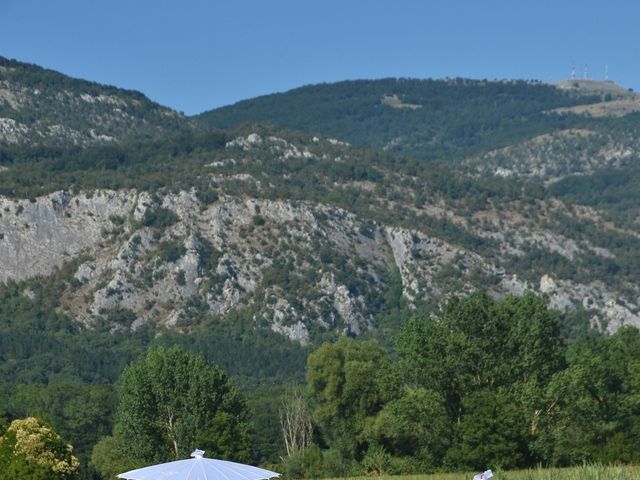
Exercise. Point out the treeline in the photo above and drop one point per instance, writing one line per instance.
(145, 165)
(40, 345)
(34, 76)
(483, 384)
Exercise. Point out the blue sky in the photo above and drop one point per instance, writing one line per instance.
(193, 55)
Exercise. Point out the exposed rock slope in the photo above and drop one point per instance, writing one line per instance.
(302, 268)
(550, 157)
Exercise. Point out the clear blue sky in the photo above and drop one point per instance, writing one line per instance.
(193, 55)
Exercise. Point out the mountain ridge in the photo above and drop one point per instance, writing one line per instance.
(39, 105)
(461, 111)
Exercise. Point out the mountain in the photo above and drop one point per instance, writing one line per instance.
(245, 234)
(428, 119)
(504, 128)
(43, 106)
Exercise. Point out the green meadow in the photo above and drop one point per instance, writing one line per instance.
(586, 472)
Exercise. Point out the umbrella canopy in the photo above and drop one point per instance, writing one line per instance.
(199, 468)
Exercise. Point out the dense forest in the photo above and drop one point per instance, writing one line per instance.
(426, 119)
(482, 383)
(67, 375)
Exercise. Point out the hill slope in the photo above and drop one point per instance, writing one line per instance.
(43, 106)
(441, 119)
(308, 237)
(253, 244)
(571, 135)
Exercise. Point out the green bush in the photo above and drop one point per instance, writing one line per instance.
(171, 251)
(159, 217)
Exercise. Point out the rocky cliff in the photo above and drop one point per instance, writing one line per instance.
(302, 268)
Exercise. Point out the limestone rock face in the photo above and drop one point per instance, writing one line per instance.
(300, 268)
(40, 236)
(547, 284)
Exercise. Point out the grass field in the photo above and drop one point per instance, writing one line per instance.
(588, 472)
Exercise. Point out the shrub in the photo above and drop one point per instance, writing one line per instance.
(159, 217)
(171, 251)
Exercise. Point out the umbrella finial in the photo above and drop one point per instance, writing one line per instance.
(197, 453)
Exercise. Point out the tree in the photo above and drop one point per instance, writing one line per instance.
(592, 407)
(455, 352)
(172, 402)
(478, 350)
(413, 425)
(296, 422)
(108, 459)
(32, 450)
(76, 410)
(348, 384)
(492, 432)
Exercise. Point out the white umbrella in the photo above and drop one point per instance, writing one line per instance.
(199, 468)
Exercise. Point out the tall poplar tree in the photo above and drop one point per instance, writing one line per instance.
(172, 402)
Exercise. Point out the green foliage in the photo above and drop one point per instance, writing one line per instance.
(591, 407)
(76, 410)
(348, 384)
(39, 345)
(159, 217)
(171, 401)
(492, 432)
(141, 164)
(108, 458)
(453, 119)
(265, 403)
(472, 387)
(614, 191)
(87, 111)
(414, 425)
(306, 464)
(477, 344)
(483, 384)
(55, 369)
(480, 382)
(253, 356)
(258, 220)
(491, 362)
(171, 251)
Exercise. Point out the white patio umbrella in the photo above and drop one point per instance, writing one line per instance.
(199, 468)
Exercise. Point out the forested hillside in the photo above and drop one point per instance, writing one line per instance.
(427, 119)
